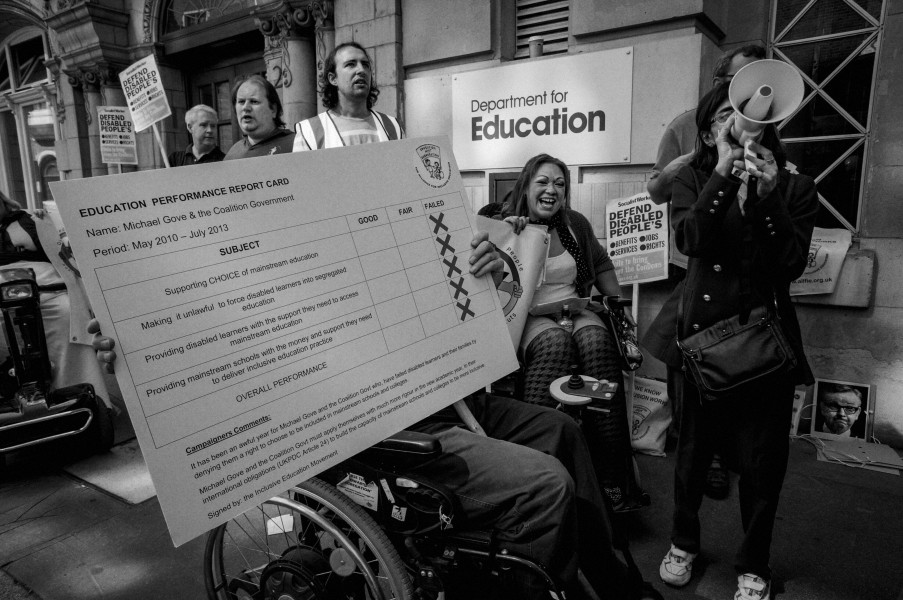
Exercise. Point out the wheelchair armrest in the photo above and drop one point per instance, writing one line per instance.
(53, 287)
(404, 446)
(611, 301)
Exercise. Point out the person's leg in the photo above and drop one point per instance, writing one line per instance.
(597, 355)
(760, 426)
(554, 433)
(548, 356)
(608, 434)
(674, 380)
(694, 454)
(525, 496)
(717, 479)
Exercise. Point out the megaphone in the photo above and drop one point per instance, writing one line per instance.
(763, 92)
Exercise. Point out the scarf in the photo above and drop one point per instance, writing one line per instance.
(568, 241)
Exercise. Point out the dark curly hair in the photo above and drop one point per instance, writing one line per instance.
(270, 91)
(517, 203)
(330, 93)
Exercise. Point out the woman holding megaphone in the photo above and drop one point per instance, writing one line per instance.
(745, 223)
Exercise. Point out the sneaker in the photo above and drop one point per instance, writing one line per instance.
(717, 481)
(752, 587)
(676, 567)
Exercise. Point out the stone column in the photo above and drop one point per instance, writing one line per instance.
(87, 37)
(324, 34)
(89, 82)
(62, 97)
(288, 28)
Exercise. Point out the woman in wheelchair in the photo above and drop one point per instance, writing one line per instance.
(71, 363)
(576, 262)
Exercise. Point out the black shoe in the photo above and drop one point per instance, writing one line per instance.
(717, 480)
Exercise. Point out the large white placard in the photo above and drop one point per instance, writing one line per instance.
(274, 316)
(576, 108)
(636, 231)
(144, 92)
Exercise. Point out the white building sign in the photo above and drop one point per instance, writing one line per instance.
(576, 108)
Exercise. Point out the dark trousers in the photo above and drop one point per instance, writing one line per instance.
(752, 427)
(532, 480)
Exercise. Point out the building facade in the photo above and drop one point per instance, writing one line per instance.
(60, 59)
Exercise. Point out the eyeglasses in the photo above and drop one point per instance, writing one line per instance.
(847, 410)
(722, 117)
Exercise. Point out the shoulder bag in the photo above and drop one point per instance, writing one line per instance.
(731, 353)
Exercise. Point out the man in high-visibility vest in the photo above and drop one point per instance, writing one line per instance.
(348, 93)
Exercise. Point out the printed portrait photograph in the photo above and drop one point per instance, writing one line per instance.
(842, 410)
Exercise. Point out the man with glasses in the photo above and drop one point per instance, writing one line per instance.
(840, 406)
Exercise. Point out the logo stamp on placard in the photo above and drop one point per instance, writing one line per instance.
(640, 414)
(816, 259)
(430, 167)
(509, 288)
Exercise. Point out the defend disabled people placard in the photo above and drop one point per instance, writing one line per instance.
(576, 108)
(274, 316)
(117, 136)
(144, 93)
(636, 232)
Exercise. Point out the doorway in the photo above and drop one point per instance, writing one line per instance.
(213, 87)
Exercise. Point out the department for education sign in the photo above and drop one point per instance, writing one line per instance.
(576, 108)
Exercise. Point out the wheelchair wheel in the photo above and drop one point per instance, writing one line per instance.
(309, 543)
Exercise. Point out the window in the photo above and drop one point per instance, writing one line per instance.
(546, 18)
(27, 120)
(179, 14)
(833, 44)
(217, 95)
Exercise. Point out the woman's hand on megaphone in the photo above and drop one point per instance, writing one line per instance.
(763, 167)
(728, 150)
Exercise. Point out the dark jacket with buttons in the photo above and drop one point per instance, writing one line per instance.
(736, 261)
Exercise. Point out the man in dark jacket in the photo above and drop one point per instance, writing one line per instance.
(201, 123)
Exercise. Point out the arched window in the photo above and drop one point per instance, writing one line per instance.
(179, 14)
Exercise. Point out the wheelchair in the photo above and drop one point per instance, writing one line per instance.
(369, 528)
(32, 412)
(364, 529)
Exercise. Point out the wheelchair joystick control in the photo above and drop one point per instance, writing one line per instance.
(575, 382)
